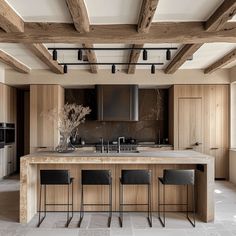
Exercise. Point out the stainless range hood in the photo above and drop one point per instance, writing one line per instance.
(117, 102)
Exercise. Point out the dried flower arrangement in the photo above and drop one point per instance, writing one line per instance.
(69, 117)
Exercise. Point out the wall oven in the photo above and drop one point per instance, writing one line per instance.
(2, 135)
(9, 133)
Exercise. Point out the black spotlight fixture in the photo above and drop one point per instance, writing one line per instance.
(168, 54)
(65, 69)
(80, 55)
(54, 55)
(153, 69)
(145, 56)
(113, 69)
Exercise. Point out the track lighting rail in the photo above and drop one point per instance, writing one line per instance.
(111, 49)
(110, 63)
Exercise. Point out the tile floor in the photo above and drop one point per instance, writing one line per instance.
(134, 224)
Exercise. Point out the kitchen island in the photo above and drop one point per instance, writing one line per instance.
(155, 161)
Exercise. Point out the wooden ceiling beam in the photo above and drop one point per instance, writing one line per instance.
(225, 60)
(9, 20)
(91, 58)
(217, 21)
(80, 18)
(79, 15)
(43, 54)
(13, 62)
(144, 23)
(133, 58)
(220, 17)
(182, 56)
(160, 32)
(146, 15)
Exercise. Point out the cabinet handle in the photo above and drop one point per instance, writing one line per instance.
(189, 148)
(197, 144)
(214, 148)
(9, 162)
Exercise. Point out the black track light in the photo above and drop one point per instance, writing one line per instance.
(145, 56)
(153, 69)
(80, 55)
(168, 55)
(54, 55)
(65, 69)
(113, 69)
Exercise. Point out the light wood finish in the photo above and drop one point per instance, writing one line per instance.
(181, 57)
(225, 60)
(7, 104)
(190, 124)
(44, 132)
(9, 20)
(146, 14)
(145, 19)
(215, 121)
(223, 14)
(79, 15)
(43, 54)
(10, 104)
(80, 18)
(91, 58)
(2, 103)
(133, 58)
(12, 62)
(160, 32)
(155, 161)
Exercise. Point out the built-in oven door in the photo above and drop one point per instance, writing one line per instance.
(2, 131)
(10, 133)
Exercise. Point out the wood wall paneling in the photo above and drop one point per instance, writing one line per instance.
(44, 132)
(215, 121)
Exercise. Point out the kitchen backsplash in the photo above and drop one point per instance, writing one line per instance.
(153, 117)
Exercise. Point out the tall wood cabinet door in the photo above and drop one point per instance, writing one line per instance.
(2, 103)
(222, 131)
(190, 124)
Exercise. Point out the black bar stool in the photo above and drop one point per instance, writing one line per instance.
(96, 177)
(55, 177)
(177, 177)
(135, 177)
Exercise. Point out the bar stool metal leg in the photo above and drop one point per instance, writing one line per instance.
(68, 205)
(81, 206)
(121, 205)
(110, 205)
(149, 218)
(193, 222)
(163, 222)
(40, 206)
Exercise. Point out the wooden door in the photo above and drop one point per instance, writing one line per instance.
(190, 124)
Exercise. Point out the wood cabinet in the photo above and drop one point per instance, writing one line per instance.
(43, 131)
(7, 104)
(201, 122)
(10, 160)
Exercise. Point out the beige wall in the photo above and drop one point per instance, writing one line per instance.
(141, 77)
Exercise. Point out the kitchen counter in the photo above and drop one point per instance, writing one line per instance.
(156, 161)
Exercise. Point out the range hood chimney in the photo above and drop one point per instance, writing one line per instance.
(117, 102)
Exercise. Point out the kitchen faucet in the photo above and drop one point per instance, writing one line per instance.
(102, 147)
(118, 143)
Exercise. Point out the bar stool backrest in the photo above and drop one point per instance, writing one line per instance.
(54, 177)
(179, 177)
(96, 177)
(135, 176)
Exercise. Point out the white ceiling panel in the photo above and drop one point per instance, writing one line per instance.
(24, 55)
(185, 10)
(42, 11)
